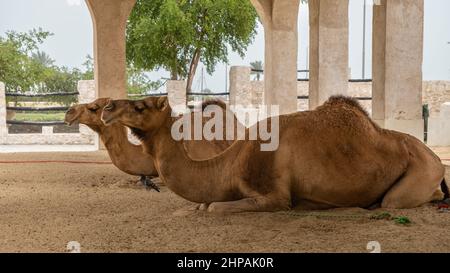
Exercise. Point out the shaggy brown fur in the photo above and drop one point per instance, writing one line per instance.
(334, 156)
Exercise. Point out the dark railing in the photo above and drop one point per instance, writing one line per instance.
(306, 79)
(358, 98)
(15, 94)
(38, 123)
(147, 95)
(38, 109)
(189, 94)
(350, 80)
(208, 94)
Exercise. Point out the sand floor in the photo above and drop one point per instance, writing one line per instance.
(44, 206)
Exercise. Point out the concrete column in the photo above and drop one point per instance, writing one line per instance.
(109, 19)
(240, 89)
(87, 91)
(439, 128)
(397, 65)
(280, 19)
(176, 93)
(328, 20)
(3, 126)
(87, 94)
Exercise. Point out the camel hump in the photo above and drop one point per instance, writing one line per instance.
(344, 100)
(217, 102)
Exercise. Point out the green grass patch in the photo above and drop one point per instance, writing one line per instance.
(402, 220)
(55, 116)
(382, 216)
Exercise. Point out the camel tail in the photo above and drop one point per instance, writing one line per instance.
(445, 189)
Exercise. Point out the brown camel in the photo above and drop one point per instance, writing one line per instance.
(128, 157)
(334, 156)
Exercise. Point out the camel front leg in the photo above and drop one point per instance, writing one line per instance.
(255, 204)
(192, 209)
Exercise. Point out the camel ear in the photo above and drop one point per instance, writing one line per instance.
(108, 104)
(93, 106)
(162, 103)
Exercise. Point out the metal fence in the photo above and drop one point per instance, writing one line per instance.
(37, 109)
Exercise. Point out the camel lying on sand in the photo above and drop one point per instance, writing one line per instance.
(334, 156)
(128, 157)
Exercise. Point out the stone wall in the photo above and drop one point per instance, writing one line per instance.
(48, 137)
(435, 93)
(439, 127)
(176, 93)
(3, 128)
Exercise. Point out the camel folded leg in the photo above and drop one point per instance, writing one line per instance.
(256, 204)
(418, 186)
(192, 209)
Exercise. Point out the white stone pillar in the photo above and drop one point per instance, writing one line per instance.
(86, 90)
(240, 89)
(397, 65)
(47, 130)
(439, 128)
(280, 21)
(328, 20)
(109, 18)
(3, 126)
(176, 93)
(87, 94)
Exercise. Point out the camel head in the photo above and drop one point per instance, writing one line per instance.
(145, 115)
(86, 113)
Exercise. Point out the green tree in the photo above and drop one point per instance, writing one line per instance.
(139, 83)
(43, 58)
(177, 34)
(89, 68)
(18, 70)
(258, 66)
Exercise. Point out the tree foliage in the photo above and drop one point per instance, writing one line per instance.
(176, 35)
(17, 70)
(257, 65)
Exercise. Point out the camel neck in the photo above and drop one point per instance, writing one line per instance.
(200, 181)
(126, 156)
(115, 138)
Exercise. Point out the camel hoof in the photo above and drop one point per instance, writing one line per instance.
(203, 207)
(216, 208)
(186, 211)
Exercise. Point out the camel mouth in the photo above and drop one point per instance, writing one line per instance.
(70, 121)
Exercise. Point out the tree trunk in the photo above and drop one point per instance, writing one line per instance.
(174, 75)
(192, 70)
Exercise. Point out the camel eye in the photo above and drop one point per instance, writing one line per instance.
(139, 108)
(93, 108)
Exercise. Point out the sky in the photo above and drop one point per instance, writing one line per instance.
(71, 24)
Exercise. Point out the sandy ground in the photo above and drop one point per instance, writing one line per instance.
(44, 206)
